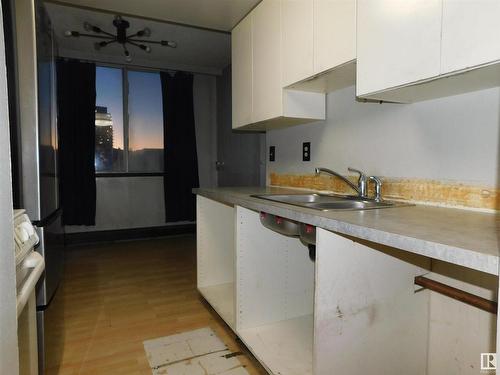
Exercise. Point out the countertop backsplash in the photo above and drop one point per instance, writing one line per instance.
(442, 152)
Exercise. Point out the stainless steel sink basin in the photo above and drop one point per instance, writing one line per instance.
(301, 198)
(325, 202)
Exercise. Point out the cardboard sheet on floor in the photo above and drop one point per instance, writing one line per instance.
(192, 353)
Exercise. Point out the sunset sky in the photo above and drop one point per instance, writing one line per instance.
(145, 106)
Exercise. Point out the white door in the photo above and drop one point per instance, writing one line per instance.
(471, 31)
(267, 79)
(241, 57)
(334, 33)
(297, 39)
(398, 42)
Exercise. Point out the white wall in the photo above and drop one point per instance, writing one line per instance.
(127, 202)
(138, 202)
(449, 139)
(8, 320)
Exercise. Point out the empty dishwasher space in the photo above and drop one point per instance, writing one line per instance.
(215, 256)
(275, 296)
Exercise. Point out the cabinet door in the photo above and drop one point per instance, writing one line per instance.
(334, 33)
(471, 31)
(398, 42)
(241, 55)
(267, 78)
(297, 39)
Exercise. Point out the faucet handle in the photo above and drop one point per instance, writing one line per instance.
(361, 174)
(362, 182)
(378, 187)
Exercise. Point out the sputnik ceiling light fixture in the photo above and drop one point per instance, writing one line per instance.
(121, 37)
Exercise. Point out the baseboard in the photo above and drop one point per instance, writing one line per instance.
(102, 236)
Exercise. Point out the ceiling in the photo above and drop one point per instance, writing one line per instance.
(198, 50)
(213, 14)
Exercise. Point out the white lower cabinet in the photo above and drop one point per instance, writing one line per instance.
(215, 256)
(354, 310)
(368, 319)
(274, 296)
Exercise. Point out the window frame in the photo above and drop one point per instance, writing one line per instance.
(125, 91)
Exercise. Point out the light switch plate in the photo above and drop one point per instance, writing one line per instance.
(272, 153)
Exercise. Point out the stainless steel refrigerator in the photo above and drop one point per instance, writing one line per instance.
(35, 79)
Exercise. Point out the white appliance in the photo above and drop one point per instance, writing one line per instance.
(29, 268)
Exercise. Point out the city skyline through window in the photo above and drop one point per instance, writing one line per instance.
(145, 121)
(109, 120)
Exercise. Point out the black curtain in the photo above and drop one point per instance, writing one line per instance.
(76, 127)
(180, 159)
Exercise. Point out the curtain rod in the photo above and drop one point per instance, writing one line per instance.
(140, 67)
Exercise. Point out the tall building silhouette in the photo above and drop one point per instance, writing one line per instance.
(103, 139)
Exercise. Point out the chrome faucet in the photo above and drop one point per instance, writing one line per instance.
(362, 181)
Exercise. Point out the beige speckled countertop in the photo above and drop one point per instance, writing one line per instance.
(462, 237)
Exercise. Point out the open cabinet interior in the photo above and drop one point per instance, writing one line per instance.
(370, 317)
(355, 309)
(275, 296)
(215, 256)
(458, 332)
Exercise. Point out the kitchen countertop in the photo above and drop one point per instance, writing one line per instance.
(466, 238)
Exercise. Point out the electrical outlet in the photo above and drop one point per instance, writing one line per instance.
(306, 151)
(272, 153)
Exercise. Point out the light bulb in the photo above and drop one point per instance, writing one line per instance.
(87, 26)
(68, 33)
(128, 58)
(168, 43)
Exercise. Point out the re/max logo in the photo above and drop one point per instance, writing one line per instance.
(488, 361)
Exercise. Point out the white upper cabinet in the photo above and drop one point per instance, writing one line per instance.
(260, 101)
(334, 33)
(297, 38)
(267, 76)
(319, 44)
(471, 34)
(412, 50)
(241, 71)
(398, 42)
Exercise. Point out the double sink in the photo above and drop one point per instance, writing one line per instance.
(324, 202)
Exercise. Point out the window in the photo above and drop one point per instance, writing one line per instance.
(109, 121)
(132, 143)
(145, 122)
